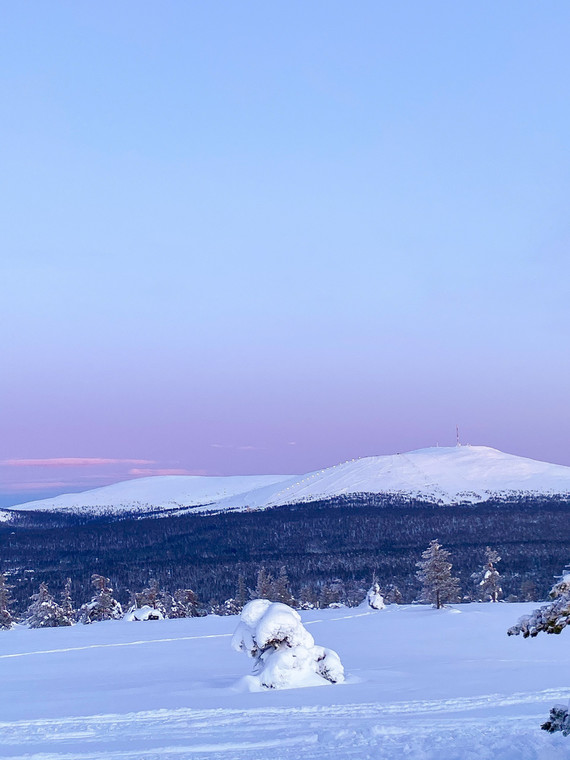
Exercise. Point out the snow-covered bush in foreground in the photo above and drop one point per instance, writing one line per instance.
(559, 720)
(285, 652)
(551, 618)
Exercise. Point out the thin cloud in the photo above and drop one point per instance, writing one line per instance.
(245, 447)
(70, 462)
(164, 471)
(38, 486)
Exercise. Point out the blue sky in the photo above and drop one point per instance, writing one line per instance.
(265, 237)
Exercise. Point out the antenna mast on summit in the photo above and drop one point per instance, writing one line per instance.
(457, 435)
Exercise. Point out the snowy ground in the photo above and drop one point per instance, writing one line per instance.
(420, 684)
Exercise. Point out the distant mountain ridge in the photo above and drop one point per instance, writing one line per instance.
(439, 475)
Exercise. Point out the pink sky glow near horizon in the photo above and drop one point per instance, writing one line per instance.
(274, 238)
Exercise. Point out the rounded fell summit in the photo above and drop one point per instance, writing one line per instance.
(442, 475)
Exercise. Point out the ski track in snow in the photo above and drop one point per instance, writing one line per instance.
(140, 642)
(352, 730)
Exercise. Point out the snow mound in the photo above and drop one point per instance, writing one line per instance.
(144, 613)
(285, 652)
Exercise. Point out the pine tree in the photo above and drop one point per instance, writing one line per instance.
(330, 594)
(280, 589)
(393, 595)
(308, 597)
(489, 583)
(434, 572)
(185, 604)
(6, 619)
(264, 585)
(241, 592)
(529, 591)
(44, 611)
(67, 602)
(103, 606)
(234, 605)
(153, 596)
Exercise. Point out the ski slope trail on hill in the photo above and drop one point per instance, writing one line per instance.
(452, 475)
(421, 684)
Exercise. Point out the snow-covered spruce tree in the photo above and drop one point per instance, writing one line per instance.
(434, 572)
(488, 580)
(284, 651)
(264, 584)
(308, 598)
(393, 595)
(185, 604)
(331, 594)
(235, 604)
(374, 598)
(6, 619)
(280, 591)
(103, 606)
(45, 612)
(242, 595)
(153, 598)
(66, 601)
(550, 618)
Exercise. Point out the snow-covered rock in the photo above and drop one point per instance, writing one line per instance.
(285, 652)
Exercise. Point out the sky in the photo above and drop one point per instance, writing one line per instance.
(268, 237)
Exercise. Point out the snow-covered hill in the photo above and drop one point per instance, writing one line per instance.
(160, 492)
(446, 475)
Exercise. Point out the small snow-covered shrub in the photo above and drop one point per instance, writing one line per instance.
(374, 598)
(144, 613)
(559, 720)
(285, 653)
(550, 618)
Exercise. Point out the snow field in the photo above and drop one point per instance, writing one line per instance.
(420, 684)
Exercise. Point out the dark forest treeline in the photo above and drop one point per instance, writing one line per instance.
(348, 538)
